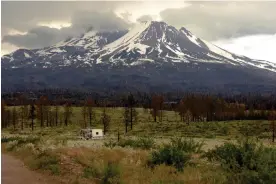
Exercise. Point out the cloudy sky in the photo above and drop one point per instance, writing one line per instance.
(247, 28)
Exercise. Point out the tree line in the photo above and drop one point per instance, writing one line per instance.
(76, 97)
(190, 108)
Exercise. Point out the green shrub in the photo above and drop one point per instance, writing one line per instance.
(46, 160)
(111, 174)
(54, 168)
(171, 156)
(17, 142)
(60, 141)
(26, 140)
(225, 130)
(110, 144)
(90, 172)
(12, 145)
(177, 153)
(21, 140)
(8, 139)
(248, 161)
(187, 145)
(143, 143)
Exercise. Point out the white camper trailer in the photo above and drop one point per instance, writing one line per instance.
(90, 133)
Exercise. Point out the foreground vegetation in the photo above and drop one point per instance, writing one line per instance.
(185, 143)
(143, 160)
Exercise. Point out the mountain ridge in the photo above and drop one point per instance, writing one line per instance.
(149, 50)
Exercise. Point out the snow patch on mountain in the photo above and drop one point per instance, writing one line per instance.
(178, 53)
(57, 50)
(141, 47)
(127, 38)
(89, 34)
(219, 51)
(190, 36)
(27, 55)
(141, 61)
(42, 53)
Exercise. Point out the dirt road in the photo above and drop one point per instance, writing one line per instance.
(14, 172)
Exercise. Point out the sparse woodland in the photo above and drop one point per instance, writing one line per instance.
(184, 140)
(59, 111)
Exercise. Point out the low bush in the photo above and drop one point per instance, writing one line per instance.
(171, 156)
(143, 143)
(21, 140)
(8, 139)
(91, 172)
(111, 174)
(60, 141)
(110, 144)
(18, 142)
(248, 161)
(46, 160)
(187, 145)
(12, 145)
(177, 153)
(26, 140)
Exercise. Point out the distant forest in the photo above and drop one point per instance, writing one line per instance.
(194, 106)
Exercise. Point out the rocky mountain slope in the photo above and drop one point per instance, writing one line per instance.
(151, 56)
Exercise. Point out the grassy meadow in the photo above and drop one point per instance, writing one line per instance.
(151, 153)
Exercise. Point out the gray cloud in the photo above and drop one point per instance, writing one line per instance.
(81, 21)
(217, 20)
(99, 20)
(38, 37)
(144, 18)
(209, 20)
(23, 16)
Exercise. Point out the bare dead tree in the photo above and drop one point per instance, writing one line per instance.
(84, 115)
(105, 120)
(56, 112)
(68, 113)
(4, 115)
(130, 104)
(41, 109)
(272, 124)
(14, 117)
(157, 106)
(32, 115)
(90, 104)
(126, 117)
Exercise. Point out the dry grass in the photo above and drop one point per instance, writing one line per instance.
(87, 161)
(170, 126)
(89, 165)
(132, 164)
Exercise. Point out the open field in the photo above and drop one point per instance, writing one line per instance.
(170, 126)
(59, 152)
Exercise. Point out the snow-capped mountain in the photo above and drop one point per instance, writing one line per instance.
(150, 41)
(148, 52)
(72, 51)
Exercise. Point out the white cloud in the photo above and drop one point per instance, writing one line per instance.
(138, 9)
(6, 48)
(57, 25)
(256, 46)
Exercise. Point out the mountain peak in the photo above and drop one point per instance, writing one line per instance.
(151, 55)
(151, 41)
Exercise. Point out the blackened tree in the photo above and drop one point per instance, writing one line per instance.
(105, 120)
